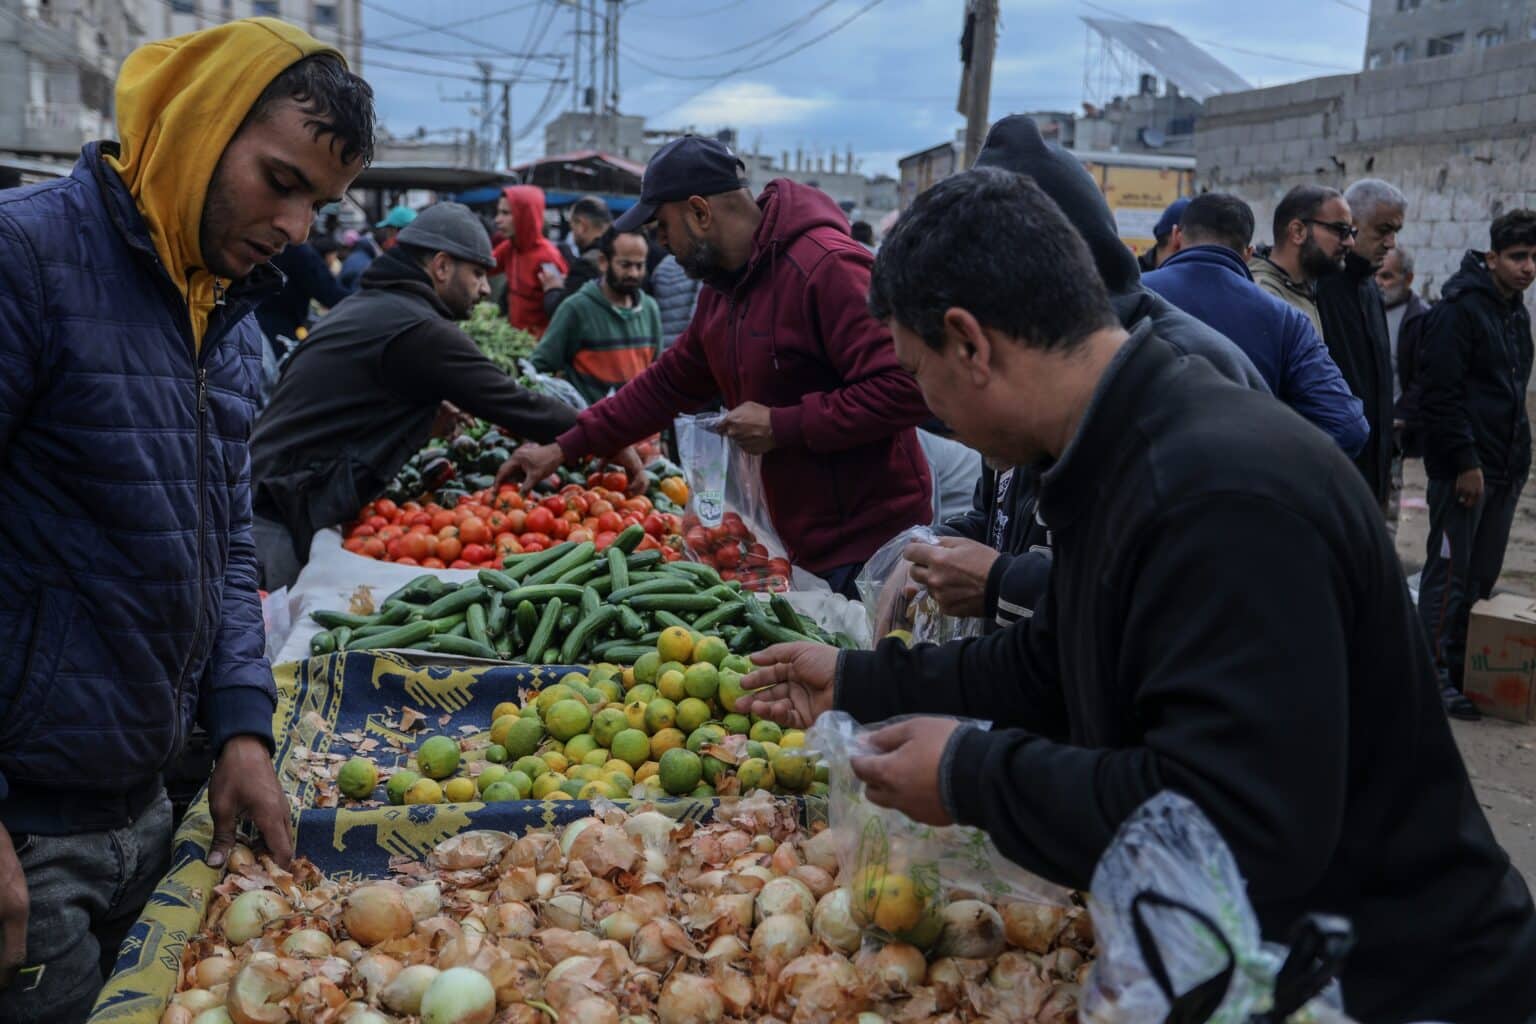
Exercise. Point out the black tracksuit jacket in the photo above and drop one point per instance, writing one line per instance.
(1227, 618)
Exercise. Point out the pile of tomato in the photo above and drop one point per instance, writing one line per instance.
(483, 528)
(735, 552)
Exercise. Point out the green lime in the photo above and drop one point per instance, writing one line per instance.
(496, 753)
(755, 749)
(438, 757)
(702, 680)
(793, 771)
(645, 667)
(672, 684)
(490, 775)
(680, 771)
(575, 680)
(579, 746)
(398, 784)
(607, 724)
(644, 694)
(691, 713)
(755, 773)
(611, 691)
(730, 691)
(522, 737)
(424, 791)
(357, 778)
(596, 756)
(660, 714)
(501, 792)
(521, 782)
(738, 663)
(530, 766)
(632, 746)
(765, 731)
(572, 788)
(567, 718)
(708, 733)
(703, 791)
(714, 769)
(549, 696)
(736, 724)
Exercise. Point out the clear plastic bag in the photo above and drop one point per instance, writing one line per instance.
(726, 524)
(900, 873)
(883, 586)
(554, 387)
(1178, 939)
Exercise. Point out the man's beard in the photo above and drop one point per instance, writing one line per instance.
(703, 259)
(1315, 263)
(619, 286)
(1394, 298)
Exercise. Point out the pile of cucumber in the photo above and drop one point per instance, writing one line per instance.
(569, 606)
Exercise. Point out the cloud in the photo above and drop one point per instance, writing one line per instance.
(757, 104)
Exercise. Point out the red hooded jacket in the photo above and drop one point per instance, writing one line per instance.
(795, 334)
(521, 257)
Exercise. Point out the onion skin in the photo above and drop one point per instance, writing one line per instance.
(459, 995)
(972, 930)
(250, 913)
(690, 999)
(377, 913)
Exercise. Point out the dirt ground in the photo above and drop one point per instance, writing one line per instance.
(1500, 756)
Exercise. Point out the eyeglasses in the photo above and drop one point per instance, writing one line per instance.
(1338, 227)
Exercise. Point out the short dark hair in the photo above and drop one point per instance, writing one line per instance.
(339, 103)
(1029, 275)
(1517, 227)
(611, 237)
(591, 208)
(1301, 203)
(418, 254)
(862, 231)
(1220, 219)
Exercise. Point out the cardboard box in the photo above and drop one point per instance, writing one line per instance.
(1501, 657)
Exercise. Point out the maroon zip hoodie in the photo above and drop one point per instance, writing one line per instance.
(794, 333)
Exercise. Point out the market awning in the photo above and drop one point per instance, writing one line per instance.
(435, 177)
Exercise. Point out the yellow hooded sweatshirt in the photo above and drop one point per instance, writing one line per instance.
(179, 103)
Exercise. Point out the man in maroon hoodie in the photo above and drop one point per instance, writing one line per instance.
(783, 336)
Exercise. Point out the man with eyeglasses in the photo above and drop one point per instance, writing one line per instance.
(1313, 231)
(1354, 322)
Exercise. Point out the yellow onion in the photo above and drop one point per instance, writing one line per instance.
(469, 851)
(590, 1010)
(648, 902)
(1032, 926)
(546, 885)
(569, 910)
(334, 969)
(575, 978)
(513, 920)
(573, 832)
(248, 915)
(726, 949)
(760, 875)
(785, 859)
(734, 843)
(785, 896)
(780, 938)
(256, 991)
(658, 944)
(357, 1013)
(764, 844)
(818, 881)
(821, 851)
(197, 1000)
(403, 994)
(737, 908)
(652, 828)
(539, 851)
(689, 999)
(424, 900)
(619, 926)
(372, 972)
(460, 951)
(559, 943)
(213, 1015)
(240, 858)
(459, 995)
(898, 967)
(655, 863)
(972, 930)
(215, 970)
(822, 986)
(349, 950)
(310, 943)
(176, 1014)
(834, 922)
(517, 885)
(317, 998)
(515, 980)
(376, 913)
(735, 988)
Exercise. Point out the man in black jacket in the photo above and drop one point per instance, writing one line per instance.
(1225, 619)
(1477, 440)
(360, 396)
(590, 221)
(996, 559)
(1355, 323)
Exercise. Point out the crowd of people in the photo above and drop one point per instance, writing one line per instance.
(1182, 474)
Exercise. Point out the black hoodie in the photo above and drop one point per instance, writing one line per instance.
(1474, 369)
(1015, 144)
(1234, 627)
(1355, 331)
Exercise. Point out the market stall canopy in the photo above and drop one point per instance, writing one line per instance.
(1171, 55)
(397, 177)
(583, 172)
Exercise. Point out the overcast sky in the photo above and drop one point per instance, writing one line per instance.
(884, 82)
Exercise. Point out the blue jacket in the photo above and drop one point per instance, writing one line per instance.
(306, 278)
(1213, 284)
(128, 600)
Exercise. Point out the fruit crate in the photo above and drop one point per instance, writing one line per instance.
(322, 703)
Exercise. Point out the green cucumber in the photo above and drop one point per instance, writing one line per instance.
(673, 603)
(629, 538)
(630, 622)
(496, 619)
(618, 568)
(643, 559)
(526, 564)
(551, 657)
(584, 630)
(590, 602)
(544, 591)
(466, 646)
(773, 633)
(623, 653)
(323, 642)
(676, 585)
(394, 614)
(666, 620)
(582, 573)
(786, 614)
(475, 623)
(446, 623)
(704, 573)
(363, 632)
(579, 555)
(742, 640)
(727, 612)
(461, 629)
(569, 616)
(343, 636)
(400, 636)
(495, 579)
(330, 620)
(545, 630)
(457, 601)
(527, 618)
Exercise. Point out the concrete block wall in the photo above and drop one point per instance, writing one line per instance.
(1454, 133)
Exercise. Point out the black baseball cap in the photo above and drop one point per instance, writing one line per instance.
(689, 166)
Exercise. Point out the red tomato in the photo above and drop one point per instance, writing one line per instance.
(671, 554)
(497, 521)
(440, 519)
(728, 557)
(411, 506)
(578, 503)
(697, 539)
(779, 567)
(609, 522)
(529, 547)
(648, 543)
(758, 550)
(422, 529)
(432, 563)
(363, 531)
(616, 481)
(385, 507)
(374, 548)
(561, 529)
(605, 539)
(420, 519)
(392, 549)
(580, 535)
(414, 546)
(390, 532)
(674, 522)
(475, 553)
(719, 533)
(509, 546)
(517, 521)
(540, 520)
(406, 561)
(448, 531)
(459, 563)
(639, 504)
(378, 522)
(554, 503)
(600, 506)
(474, 531)
(655, 526)
(354, 544)
(534, 537)
(448, 548)
(727, 575)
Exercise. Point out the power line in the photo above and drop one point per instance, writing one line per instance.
(783, 30)
(495, 51)
(432, 73)
(1353, 7)
(766, 62)
(1223, 46)
(460, 22)
(696, 14)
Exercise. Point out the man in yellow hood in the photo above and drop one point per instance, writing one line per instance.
(129, 366)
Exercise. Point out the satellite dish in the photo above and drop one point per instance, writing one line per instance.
(1153, 138)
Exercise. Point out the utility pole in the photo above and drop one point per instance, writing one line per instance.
(506, 124)
(978, 45)
(487, 114)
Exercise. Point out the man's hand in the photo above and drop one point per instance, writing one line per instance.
(530, 464)
(895, 594)
(1469, 487)
(793, 686)
(630, 461)
(551, 279)
(905, 773)
(750, 427)
(448, 420)
(15, 905)
(245, 785)
(955, 572)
